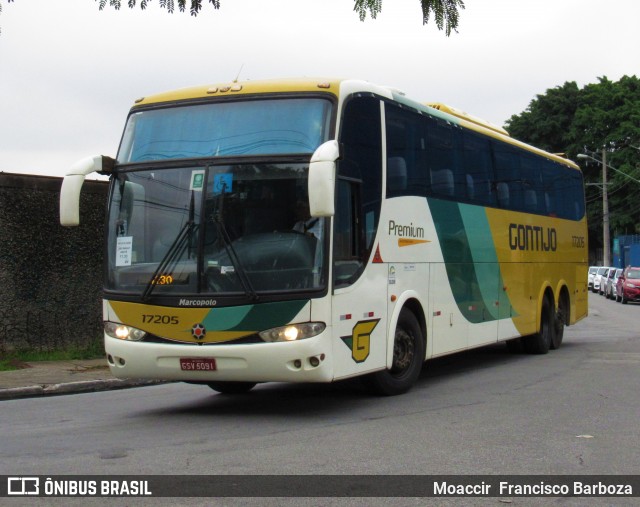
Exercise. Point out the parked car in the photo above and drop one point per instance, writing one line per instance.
(592, 272)
(599, 278)
(629, 285)
(611, 291)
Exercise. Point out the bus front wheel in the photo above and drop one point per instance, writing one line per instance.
(408, 356)
(231, 387)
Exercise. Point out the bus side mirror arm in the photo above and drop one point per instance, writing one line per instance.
(72, 185)
(322, 179)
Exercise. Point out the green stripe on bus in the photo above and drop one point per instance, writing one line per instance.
(256, 317)
(484, 257)
(470, 259)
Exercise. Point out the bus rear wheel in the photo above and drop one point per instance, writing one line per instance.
(560, 320)
(408, 356)
(231, 387)
(540, 343)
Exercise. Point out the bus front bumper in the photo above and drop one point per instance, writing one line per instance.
(300, 361)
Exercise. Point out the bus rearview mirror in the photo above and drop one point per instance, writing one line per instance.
(322, 179)
(72, 185)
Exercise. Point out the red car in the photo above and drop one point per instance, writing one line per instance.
(628, 286)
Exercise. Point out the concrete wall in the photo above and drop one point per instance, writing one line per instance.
(51, 277)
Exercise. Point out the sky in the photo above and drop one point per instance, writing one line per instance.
(69, 73)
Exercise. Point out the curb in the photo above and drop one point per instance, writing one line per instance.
(84, 386)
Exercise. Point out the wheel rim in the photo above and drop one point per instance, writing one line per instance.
(403, 353)
(560, 321)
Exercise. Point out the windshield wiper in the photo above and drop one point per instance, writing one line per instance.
(223, 234)
(177, 248)
(233, 255)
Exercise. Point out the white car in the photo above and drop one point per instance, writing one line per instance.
(599, 278)
(610, 291)
(592, 273)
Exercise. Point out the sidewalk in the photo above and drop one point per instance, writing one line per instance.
(42, 378)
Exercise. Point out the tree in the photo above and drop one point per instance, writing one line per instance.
(546, 122)
(445, 12)
(600, 116)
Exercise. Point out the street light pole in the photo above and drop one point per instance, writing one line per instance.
(606, 242)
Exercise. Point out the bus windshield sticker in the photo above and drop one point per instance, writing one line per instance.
(222, 183)
(124, 247)
(197, 180)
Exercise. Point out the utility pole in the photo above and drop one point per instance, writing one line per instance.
(606, 241)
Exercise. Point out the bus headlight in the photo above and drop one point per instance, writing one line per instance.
(293, 332)
(123, 332)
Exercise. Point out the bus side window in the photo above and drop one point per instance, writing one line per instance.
(509, 184)
(532, 182)
(396, 176)
(470, 186)
(359, 188)
(566, 190)
(502, 191)
(440, 157)
(406, 152)
(477, 166)
(442, 182)
(346, 238)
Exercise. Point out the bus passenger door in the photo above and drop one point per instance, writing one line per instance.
(359, 309)
(359, 319)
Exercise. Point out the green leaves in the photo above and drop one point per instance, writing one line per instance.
(195, 6)
(546, 123)
(445, 12)
(373, 7)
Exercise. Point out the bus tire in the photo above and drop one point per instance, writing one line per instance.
(540, 343)
(231, 387)
(561, 317)
(408, 356)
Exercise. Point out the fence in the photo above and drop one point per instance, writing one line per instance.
(50, 276)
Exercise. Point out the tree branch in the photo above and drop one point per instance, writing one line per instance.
(445, 12)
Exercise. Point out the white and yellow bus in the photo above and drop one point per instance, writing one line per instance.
(312, 231)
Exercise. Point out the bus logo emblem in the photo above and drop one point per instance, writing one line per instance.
(360, 340)
(198, 331)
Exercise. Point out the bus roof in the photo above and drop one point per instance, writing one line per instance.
(245, 88)
(466, 116)
(334, 86)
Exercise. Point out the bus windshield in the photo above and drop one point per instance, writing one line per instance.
(222, 229)
(222, 129)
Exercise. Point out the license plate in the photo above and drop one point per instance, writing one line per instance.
(197, 364)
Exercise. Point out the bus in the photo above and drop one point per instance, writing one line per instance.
(317, 230)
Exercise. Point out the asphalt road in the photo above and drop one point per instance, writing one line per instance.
(573, 411)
